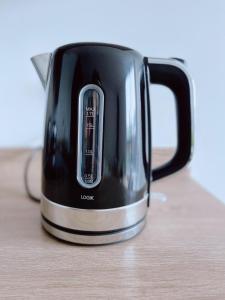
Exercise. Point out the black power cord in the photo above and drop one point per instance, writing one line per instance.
(26, 172)
(155, 195)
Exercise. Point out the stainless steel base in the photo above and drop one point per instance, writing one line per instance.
(94, 239)
(93, 227)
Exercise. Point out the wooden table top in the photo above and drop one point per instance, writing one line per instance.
(179, 255)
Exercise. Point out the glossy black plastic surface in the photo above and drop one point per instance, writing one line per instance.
(121, 74)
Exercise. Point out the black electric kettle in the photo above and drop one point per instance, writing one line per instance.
(96, 169)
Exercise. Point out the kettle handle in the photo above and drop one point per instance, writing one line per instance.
(172, 74)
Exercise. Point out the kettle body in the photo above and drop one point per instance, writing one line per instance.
(96, 168)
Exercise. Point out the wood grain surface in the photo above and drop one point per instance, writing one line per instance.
(179, 255)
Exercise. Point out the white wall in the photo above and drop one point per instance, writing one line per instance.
(193, 29)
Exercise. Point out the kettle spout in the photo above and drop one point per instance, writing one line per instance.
(41, 63)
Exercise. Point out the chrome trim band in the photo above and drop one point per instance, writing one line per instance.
(94, 219)
(96, 239)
